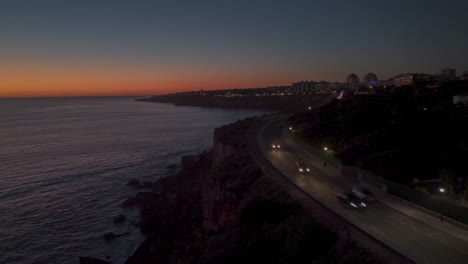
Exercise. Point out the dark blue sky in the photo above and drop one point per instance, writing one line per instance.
(238, 42)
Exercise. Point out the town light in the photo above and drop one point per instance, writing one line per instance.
(325, 148)
(442, 190)
(309, 108)
(290, 128)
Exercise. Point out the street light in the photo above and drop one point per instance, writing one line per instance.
(441, 190)
(290, 128)
(326, 156)
(309, 108)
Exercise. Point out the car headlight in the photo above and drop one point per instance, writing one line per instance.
(307, 169)
(353, 205)
(301, 170)
(279, 146)
(363, 204)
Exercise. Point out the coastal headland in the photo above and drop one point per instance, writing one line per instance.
(269, 102)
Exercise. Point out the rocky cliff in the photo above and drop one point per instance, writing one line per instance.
(221, 208)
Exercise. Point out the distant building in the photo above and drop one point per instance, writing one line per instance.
(337, 86)
(460, 98)
(352, 79)
(322, 86)
(464, 76)
(403, 80)
(449, 74)
(410, 79)
(371, 79)
(303, 87)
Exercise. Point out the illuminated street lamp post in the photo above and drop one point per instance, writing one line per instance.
(326, 154)
(441, 190)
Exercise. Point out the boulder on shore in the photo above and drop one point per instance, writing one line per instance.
(119, 219)
(134, 183)
(111, 235)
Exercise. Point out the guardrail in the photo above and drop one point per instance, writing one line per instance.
(440, 206)
(437, 206)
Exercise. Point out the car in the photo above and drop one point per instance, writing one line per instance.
(364, 194)
(276, 145)
(302, 167)
(350, 200)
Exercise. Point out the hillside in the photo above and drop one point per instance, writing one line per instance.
(396, 135)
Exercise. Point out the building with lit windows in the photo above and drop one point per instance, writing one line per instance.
(410, 79)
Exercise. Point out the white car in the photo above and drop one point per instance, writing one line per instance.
(275, 145)
(350, 200)
(302, 167)
(363, 194)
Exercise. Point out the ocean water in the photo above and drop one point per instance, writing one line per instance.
(65, 162)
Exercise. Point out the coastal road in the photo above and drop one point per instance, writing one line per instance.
(414, 239)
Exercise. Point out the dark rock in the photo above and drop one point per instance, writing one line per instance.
(91, 260)
(111, 235)
(119, 219)
(172, 167)
(142, 199)
(134, 183)
(147, 185)
(188, 161)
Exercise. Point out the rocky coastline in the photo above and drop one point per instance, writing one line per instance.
(278, 103)
(221, 207)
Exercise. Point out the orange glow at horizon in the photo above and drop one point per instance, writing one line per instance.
(48, 82)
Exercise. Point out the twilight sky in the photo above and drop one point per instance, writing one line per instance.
(81, 47)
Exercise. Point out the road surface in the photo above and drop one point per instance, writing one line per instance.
(418, 241)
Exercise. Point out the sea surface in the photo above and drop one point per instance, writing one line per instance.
(65, 162)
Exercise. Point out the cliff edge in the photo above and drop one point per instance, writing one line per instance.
(221, 208)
